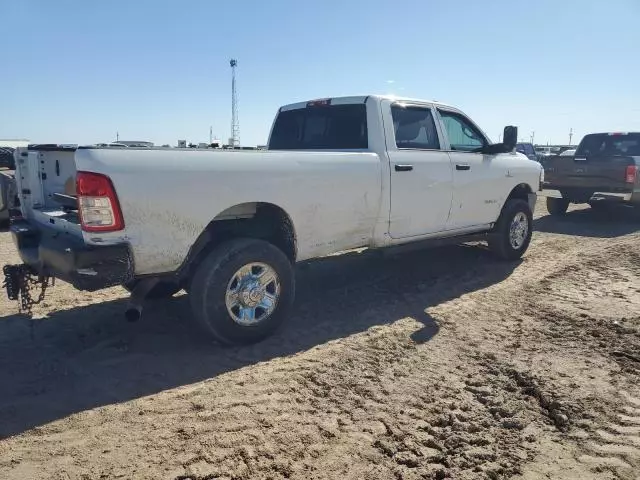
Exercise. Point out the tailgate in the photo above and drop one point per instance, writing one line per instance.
(598, 172)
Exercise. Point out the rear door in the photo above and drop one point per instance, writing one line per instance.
(421, 175)
(600, 163)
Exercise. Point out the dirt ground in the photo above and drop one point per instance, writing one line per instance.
(435, 364)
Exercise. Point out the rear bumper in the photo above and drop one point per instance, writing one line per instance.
(587, 194)
(86, 267)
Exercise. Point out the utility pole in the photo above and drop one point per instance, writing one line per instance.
(117, 137)
(210, 135)
(235, 124)
(570, 135)
(533, 134)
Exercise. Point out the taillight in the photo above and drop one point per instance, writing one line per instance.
(632, 173)
(98, 204)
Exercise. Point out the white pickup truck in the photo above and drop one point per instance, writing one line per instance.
(227, 227)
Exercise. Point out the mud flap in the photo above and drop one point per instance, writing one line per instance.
(532, 199)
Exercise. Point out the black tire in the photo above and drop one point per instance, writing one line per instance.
(557, 206)
(159, 291)
(500, 239)
(599, 206)
(217, 270)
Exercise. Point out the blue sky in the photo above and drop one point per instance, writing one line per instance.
(78, 71)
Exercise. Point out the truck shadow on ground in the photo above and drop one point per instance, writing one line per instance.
(85, 357)
(607, 222)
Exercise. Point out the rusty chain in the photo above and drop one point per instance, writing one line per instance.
(19, 281)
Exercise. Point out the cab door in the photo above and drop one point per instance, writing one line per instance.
(478, 179)
(421, 175)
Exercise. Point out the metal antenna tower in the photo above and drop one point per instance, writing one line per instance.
(235, 124)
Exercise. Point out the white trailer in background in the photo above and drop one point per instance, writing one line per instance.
(7, 177)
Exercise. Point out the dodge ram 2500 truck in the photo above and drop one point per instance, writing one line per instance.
(605, 169)
(227, 227)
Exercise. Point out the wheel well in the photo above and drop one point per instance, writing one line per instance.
(521, 192)
(264, 221)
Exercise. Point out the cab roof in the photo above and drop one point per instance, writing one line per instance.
(348, 100)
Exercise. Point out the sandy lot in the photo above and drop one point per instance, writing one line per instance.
(436, 364)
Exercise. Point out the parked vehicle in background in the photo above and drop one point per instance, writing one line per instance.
(113, 145)
(568, 153)
(543, 152)
(6, 158)
(564, 148)
(528, 150)
(135, 143)
(7, 181)
(340, 173)
(603, 170)
(548, 160)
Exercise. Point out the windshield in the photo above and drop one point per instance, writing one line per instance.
(327, 127)
(607, 144)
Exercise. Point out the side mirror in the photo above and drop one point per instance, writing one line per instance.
(509, 141)
(510, 137)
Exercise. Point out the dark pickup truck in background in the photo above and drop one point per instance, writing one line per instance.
(604, 169)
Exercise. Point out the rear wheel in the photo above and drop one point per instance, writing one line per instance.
(512, 233)
(243, 291)
(557, 206)
(599, 206)
(160, 290)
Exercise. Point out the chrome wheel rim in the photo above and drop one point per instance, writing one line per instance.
(252, 294)
(519, 230)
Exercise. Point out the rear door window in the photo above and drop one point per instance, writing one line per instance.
(609, 145)
(325, 127)
(414, 127)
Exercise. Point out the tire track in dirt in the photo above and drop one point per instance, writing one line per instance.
(590, 303)
(615, 445)
(584, 302)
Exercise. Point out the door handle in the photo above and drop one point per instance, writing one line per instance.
(463, 167)
(403, 168)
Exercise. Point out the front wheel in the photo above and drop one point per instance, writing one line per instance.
(512, 233)
(243, 291)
